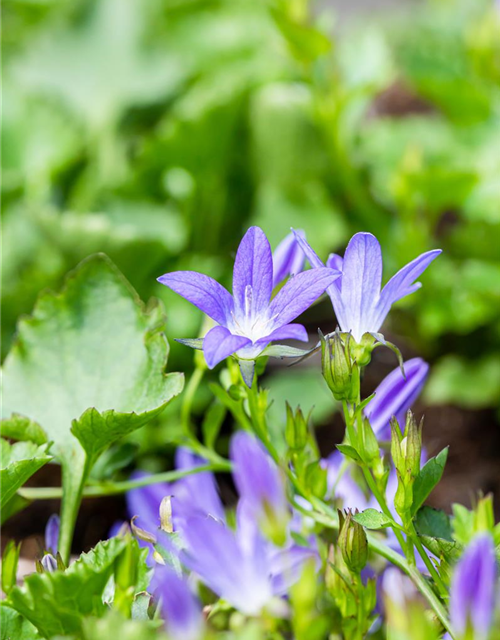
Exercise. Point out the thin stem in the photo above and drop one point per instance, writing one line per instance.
(428, 562)
(190, 392)
(114, 488)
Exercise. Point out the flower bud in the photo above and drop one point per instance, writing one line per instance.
(353, 543)
(406, 451)
(339, 370)
(296, 431)
(49, 563)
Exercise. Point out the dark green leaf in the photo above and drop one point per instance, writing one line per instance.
(433, 522)
(349, 452)
(10, 559)
(428, 478)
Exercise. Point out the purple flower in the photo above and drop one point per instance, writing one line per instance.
(49, 563)
(473, 589)
(193, 495)
(181, 610)
(358, 301)
(288, 258)
(249, 320)
(395, 395)
(259, 482)
(52, 534)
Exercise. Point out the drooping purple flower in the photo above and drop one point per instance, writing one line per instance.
(52, 534)
(395, 395)
(181, 609)
(358, 301)
(249, 320)
(473, 589)
(195, 494)
(288, 258)
(258, 479)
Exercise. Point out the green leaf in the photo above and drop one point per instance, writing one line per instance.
(373, 519)
(428, 478)
(10, 560)
(19, 462)
(349, 452)
(88, 366)
(55, 603)
(16, 503)
(113, 625)
(18, 427)
(212, 423)
(14, 626)
(434, 529)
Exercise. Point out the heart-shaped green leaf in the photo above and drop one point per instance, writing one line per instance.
(88, 366)
(19, 462)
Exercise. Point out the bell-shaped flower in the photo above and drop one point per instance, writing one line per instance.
(288, 258)
(360, 304)
(474, 590)
(260, 485)
(248, 321)
(180, 608)
(395, 395)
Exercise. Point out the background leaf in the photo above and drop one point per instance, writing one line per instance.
(19, 462)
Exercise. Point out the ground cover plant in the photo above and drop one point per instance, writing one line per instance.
(213, 426)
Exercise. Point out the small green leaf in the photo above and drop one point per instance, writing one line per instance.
(19, 462)
(428, 478)
(10, 559)
(349, 452)
(212, 423)
(19, 427)
(373, 519)
(55, 603)
(284, 351)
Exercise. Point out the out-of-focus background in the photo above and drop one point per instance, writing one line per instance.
(158, 131)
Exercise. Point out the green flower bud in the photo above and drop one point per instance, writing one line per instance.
(340, 371)
(406, 450)
(296, 431)
(353, 543)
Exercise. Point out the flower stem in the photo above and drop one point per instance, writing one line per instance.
(187, 403)
(114, 488)
(428, 562)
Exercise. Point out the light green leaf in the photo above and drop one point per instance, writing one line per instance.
(115, 626)
(19, 427)
(427, 479)
(88, 366)
(373, 519)
(14, 626)
(19, 462)
(55, 603)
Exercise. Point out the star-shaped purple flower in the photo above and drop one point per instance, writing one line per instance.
(358, 301)
(248, 321)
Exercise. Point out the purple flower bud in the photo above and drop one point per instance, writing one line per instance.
(288, 258)
(473, 589)
(49, 563)
(259, 481)
(395, 395)
(52, 534)
(180, 608)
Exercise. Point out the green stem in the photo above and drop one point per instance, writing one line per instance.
(428, 562)
(114, 488)
(187, 402)
(74, 476)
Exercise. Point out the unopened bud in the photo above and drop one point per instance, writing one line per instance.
(353, 543)
(341, 373)
(49, 563)
(296, 431)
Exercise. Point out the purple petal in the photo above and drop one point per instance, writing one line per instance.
(196, 494)
(361, 281)
(335, 261)
(299, 293)
(403, 283)
(144, 502)
(288, 258)
(219, 343)
(309, 252)
(213, 552)
(49, 563)
(473, 588)
(256, 476)
(287, 332)
(52, 534)
(253, 273)
(202, 291)
(181, 610)
(395, 395)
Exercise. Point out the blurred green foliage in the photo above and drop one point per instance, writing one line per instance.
(157, 131)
